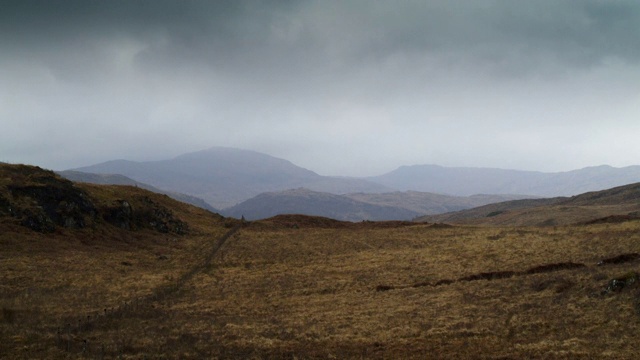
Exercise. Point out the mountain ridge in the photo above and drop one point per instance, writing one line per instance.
(466, 181)
(225, 177)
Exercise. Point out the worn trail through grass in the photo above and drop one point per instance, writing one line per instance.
(76, 332)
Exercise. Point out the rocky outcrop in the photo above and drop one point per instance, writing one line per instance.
(120, 215)
(42, 201)
(157, 217)
(47, 201)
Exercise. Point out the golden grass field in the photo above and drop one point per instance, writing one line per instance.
(309, 288)
(309, 292)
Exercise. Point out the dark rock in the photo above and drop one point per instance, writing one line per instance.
(159, 218)
(5, 207)
(37, 221)
(622, 282)
(120, 215)
(57, 201)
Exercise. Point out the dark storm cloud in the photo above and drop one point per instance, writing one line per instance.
(234, 34)
(311, 80)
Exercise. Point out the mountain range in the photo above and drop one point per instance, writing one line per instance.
(224, 177)
(244, 182)
(42, 200)
(465, 181)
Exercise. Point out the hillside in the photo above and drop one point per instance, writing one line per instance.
(357, 206)
(117, 179)
(430, 203)
(224, 177)
(468, 181)
(45, 202)
(622, 201)
(307, 202)
(105, 271)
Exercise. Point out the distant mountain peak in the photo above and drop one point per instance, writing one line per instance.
(224, 176)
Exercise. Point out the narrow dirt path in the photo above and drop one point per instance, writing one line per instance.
(72, 337)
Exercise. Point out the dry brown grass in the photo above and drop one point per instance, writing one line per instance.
(312, 293)
(275, 290)
(555, 215)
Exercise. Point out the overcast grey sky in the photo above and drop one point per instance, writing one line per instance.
(338, 87)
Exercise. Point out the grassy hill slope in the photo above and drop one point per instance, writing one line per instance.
(430, 203)
(93, 287)
(73, 252)
(591, 206)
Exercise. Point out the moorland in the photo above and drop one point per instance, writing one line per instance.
(107, 271)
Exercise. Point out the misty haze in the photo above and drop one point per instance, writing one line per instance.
(243, 179)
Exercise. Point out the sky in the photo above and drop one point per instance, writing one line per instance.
(352, 88)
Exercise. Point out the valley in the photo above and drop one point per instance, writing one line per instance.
(293, 180)
(237, 182)
(182, 282)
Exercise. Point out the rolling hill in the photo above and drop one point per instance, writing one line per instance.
(307, 202)
(223, 177)
(430, 203)
(463, 181)
(257, 185)
(621, 202)
(43, 201)
(357, 206)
